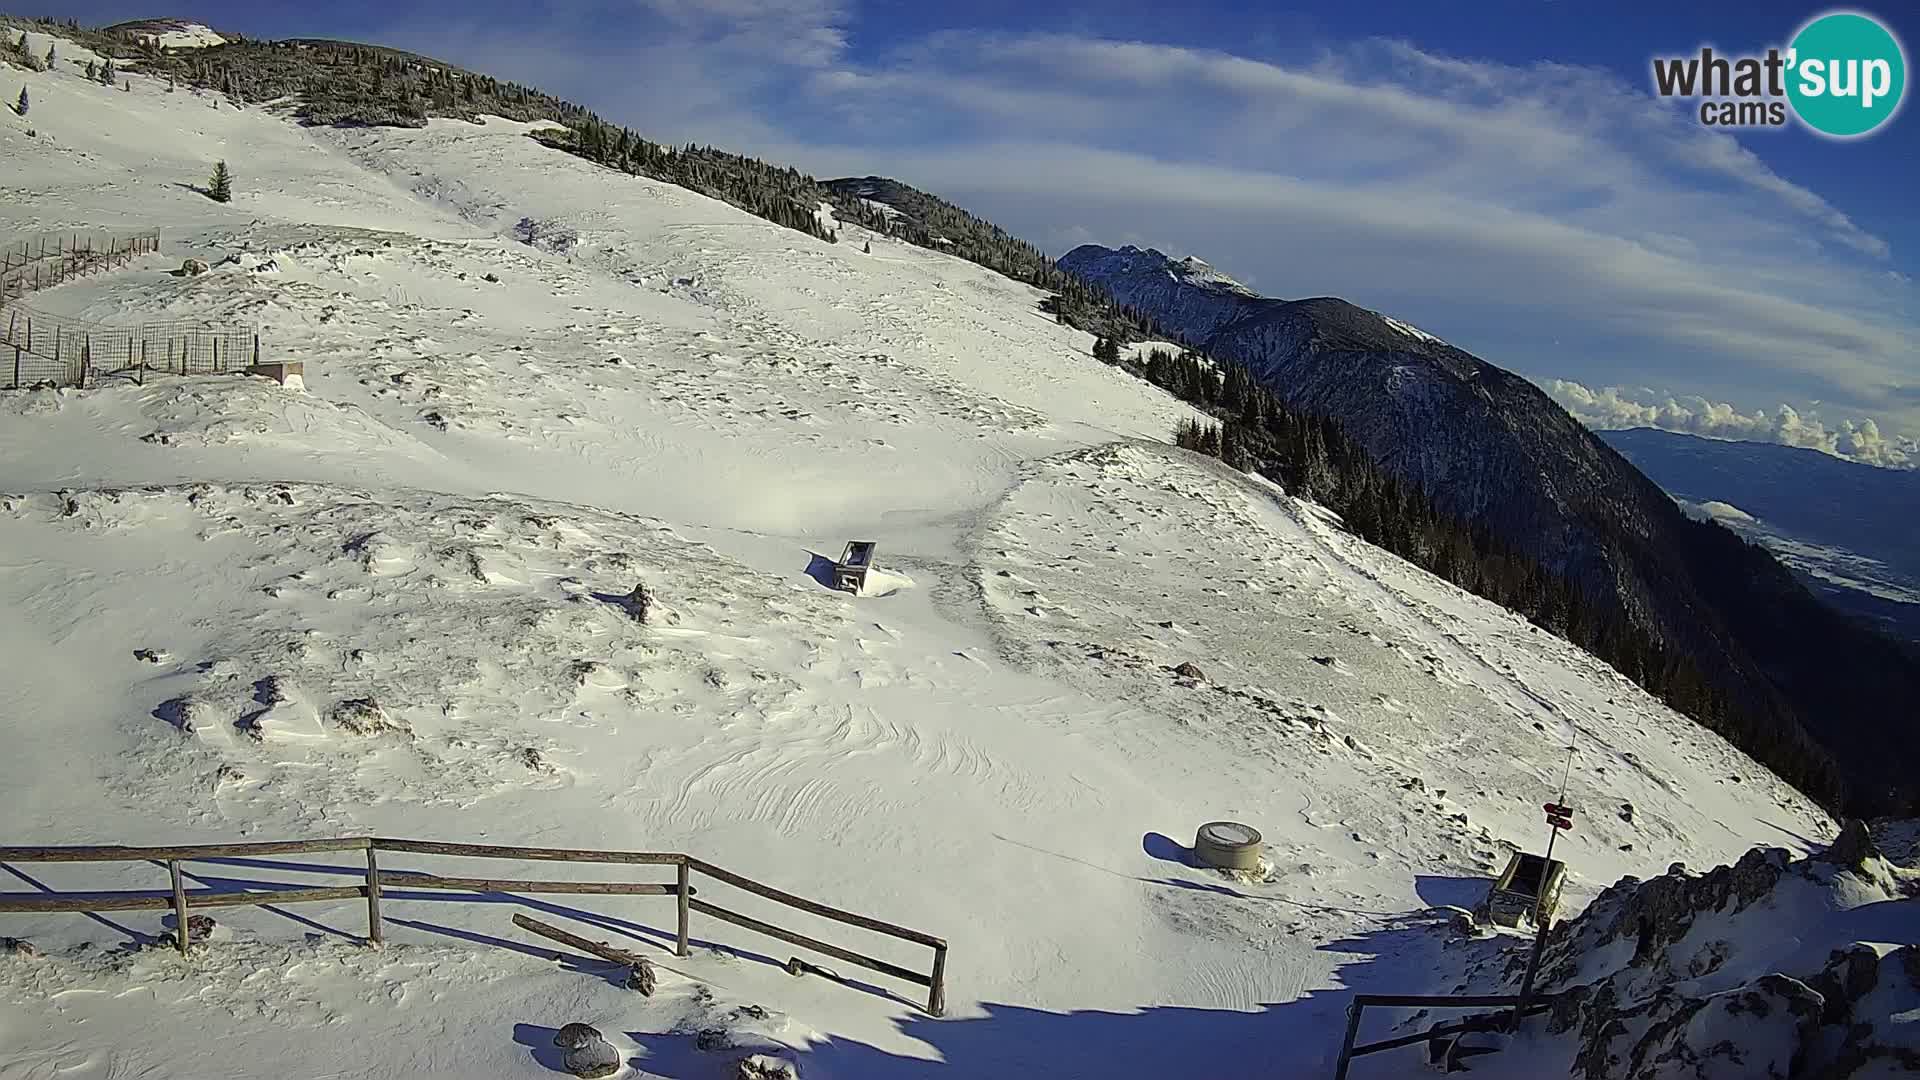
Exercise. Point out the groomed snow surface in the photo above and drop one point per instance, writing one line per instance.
(390, 603)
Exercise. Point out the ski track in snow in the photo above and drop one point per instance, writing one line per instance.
(389, 603)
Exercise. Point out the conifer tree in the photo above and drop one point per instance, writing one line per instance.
(21, 107)
(92, 72)
(220, 188)
(106, 72)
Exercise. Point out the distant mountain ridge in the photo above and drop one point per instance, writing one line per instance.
(918, 217)
(1489, 446)
(1847, 527)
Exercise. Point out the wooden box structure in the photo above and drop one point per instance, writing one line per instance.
(850, 573)
(1528, 882)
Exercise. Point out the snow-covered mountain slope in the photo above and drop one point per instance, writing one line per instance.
(1802, 686)
(1186, 295)
(388, 603)
(172, 33)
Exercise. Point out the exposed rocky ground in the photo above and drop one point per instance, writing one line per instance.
(1797, 969)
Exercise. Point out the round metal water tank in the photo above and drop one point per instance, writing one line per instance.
(1228, 845)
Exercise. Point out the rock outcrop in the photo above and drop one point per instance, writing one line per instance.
(1795, 969)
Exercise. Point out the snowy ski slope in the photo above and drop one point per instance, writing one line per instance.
(992, 749)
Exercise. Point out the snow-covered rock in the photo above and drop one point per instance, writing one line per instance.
(1771, 966)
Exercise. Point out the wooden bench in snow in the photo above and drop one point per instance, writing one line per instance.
(850, 573)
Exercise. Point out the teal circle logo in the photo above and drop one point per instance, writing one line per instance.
(1847, 74)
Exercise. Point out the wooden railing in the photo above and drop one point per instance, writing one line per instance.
(183, 900)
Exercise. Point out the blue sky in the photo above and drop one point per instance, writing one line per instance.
(1499, 174)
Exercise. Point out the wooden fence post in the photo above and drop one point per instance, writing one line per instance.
(180, 933)
(937, 995)
(86, 359)
(374, 933)
(680, 946)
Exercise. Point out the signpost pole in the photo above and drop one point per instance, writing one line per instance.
(1559, 816)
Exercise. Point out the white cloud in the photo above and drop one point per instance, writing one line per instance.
(1545, 216)
(800, 33)
(1620, 407)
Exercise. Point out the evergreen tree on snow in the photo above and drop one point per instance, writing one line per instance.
(866, 248)
(220, 188)
(107, 72)
(92, 72)
(21, 108)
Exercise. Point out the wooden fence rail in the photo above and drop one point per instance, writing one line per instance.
(377, 883)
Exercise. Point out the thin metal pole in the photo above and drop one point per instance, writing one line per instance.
(374, 933)
(1346, 1044)
(180, 933)
(1541, 919)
